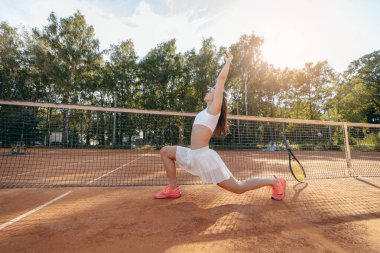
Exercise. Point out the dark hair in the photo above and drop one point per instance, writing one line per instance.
(222, 126)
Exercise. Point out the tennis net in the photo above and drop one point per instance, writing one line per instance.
(50, 145)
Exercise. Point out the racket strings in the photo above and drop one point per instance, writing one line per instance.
(297, 170)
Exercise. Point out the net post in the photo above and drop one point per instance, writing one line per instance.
(347, 150)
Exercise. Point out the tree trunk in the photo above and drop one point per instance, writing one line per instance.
(245, 93)
(238, 121)
(66, 119)
(66, 113)
(114, 125)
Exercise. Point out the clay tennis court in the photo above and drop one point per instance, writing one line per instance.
(339, 214)
(98, 198)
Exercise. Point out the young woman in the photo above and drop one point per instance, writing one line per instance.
(201, 161)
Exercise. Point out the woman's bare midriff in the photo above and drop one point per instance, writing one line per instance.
(200, 136)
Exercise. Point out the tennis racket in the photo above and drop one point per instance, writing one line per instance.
(295, 166)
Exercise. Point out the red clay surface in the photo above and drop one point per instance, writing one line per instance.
(337, 215)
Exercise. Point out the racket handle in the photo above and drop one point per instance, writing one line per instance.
(285, 142)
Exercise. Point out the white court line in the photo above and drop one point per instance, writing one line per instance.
(359, 158)
(112, 171)
(60, 151)
(298, 155)
(4, 225)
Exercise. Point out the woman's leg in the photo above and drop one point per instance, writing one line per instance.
(168, 156)
(240, 187)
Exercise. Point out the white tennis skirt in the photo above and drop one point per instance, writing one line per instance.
(204, 163)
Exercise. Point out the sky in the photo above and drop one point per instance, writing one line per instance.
(294, 31)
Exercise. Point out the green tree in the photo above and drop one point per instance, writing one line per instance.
(310, 89)
(246, 71)
(72, 56)
(286, 82)
(161, 77)
(353, 101)
(202, 71)
(121, 81)
(17, 123)
(360, 90)
(124, 74)
(13, 73)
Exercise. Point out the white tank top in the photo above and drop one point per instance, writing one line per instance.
(206, 119)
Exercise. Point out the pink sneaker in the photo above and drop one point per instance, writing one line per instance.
(278, 190)
(168, 192)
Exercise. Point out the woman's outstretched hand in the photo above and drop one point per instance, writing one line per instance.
(228, 57)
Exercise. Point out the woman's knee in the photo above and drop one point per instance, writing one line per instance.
(164, 151)
(168, 151)
(239, 189)
(233, 185)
